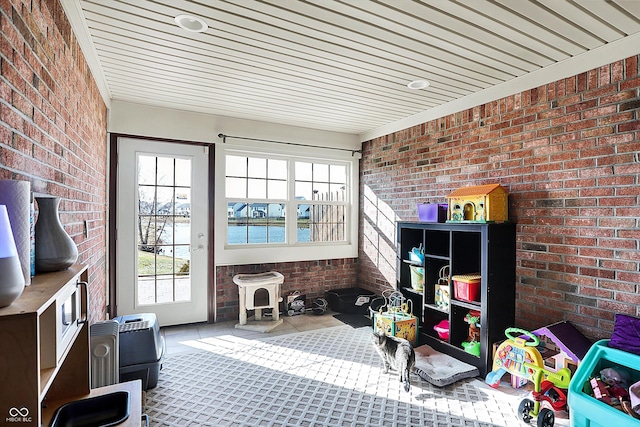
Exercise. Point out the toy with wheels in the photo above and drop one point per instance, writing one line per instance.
(519, 356)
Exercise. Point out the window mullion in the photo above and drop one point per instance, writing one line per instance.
(291, 221)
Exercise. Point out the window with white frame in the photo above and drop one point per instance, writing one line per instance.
(256, 193)
(321, 201)
(283, 207)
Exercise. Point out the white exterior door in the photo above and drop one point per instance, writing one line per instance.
(162, 230)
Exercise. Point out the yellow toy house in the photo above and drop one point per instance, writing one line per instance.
(479, 203)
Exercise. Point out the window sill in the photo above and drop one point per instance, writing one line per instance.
(273, 254)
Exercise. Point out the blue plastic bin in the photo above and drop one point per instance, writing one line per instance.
(586, 411)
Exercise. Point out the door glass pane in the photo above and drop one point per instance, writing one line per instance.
(146, 197)
(165, 200)
(164, 230)
(183, 173)
(181, 232)
(165, 171)
(146, 170)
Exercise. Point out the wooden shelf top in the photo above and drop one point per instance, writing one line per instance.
(42, 291)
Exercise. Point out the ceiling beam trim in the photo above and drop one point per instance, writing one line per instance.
(603, 55)
(81, 31)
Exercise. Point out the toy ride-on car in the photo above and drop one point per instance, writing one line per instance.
(518, 355)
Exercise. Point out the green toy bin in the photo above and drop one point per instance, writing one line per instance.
(587, 411)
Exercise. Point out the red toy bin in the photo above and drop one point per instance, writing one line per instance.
(467, 287)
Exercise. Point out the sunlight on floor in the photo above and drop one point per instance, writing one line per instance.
(363, 378)
(294, 360)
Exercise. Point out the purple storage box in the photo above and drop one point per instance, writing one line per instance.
(432, 212)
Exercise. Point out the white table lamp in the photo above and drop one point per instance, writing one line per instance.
(11, 279)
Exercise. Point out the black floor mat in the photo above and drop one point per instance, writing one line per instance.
(353, 320)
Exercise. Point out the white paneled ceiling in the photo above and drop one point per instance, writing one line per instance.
(340, 65)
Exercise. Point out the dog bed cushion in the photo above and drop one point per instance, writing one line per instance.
(441, 369)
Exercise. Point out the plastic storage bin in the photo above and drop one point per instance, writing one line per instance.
(432, 212)
(442, 329)
(417, 277)
(467, 287)
(142, 349)
(350, 300)
(587, 411)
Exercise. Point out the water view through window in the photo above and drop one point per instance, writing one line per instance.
(260, 192)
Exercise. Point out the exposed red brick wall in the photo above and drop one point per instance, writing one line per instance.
(568, 152)
(311, 278)
(53, 126)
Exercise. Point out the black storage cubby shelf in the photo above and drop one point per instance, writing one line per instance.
(487, 249)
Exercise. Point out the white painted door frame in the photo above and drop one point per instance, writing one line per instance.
(191, 305)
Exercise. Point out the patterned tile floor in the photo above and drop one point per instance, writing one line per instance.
(175, 336)
(314, 389)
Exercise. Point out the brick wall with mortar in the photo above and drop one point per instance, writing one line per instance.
(569, 154)
(311, 278)
(53, 126)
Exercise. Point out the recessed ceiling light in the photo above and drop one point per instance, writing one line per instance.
(191, 23)
(418, 84)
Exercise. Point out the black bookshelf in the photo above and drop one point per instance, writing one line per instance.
(488, 249)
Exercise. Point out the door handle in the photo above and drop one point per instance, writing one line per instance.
(84, 302)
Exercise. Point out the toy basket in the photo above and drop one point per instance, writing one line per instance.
(417, 277)
(442, 292)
